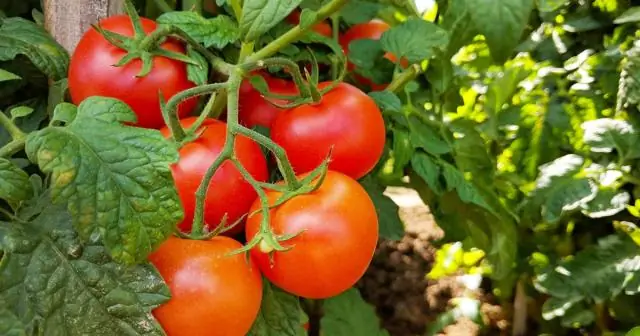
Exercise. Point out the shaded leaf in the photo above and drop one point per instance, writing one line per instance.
(630, 15)
(402, 149)
(10, 324)
(390, 224)
(428, 170)
(22, 37)
(607, 203)
(387, 101)
(550, 5)
(605, 134)
(115, 179)
(7, 76)
(14, 183)
(415, 40)
(468, 193)
(51, 282)
(20, 111)
(458, 22)
(280, 314)
(216, 32)
(355, 11)
(198, 74)
(349, 315)
(426, 137)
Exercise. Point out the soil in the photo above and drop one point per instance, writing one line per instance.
(396, 283)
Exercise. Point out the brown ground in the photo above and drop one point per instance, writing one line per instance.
(396, 284)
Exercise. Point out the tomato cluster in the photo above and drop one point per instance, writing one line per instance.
(336, 224)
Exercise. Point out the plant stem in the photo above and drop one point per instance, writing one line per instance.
(170, 111)
(192, 5)
(163, 6)
(631, 179)
(12, 147)
(404, 78)
(11, 127)
(294, 33)
(236, 6)
(153, 40)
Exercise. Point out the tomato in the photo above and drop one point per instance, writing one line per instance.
(322, 28)
(92, 73)
(372, 30)
(334, 251)
(346, 119)
(211, 293)
(254, 109)
(228, 192)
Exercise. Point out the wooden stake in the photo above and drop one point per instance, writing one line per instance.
(67, 20)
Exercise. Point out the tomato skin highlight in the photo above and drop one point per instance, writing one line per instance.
(346, 119)
(212, 294)
(92, 73)
(254, 109)
(228, 191)
(337, 246)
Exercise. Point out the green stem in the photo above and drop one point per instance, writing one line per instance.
(281, 155)
(289, 65)
(219, 104)
(10, 126)
(631, 179)
(294, 33)
(12, 147)
(170, 111)
(163, 6)
(407, 76)
(245, 50)
(236, 6)
(192, 5)
(153, 40)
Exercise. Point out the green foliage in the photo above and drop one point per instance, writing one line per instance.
(258, 16)
(114, 178)
(216, 32)
(348, 314)
(280, 314)
(51, 282)
(14, 183)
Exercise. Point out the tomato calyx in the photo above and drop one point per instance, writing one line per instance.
(142, 46)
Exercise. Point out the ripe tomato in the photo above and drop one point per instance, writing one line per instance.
(211, 293)
(91, 73)
(372, 30)
(322, 28)
(254, 109)
(346, 119)
(332, 254)
(228, 192)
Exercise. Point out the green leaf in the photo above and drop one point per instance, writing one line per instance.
(630, 15)
(634, 332)
(20, 111)
(547, 6)
(390, 224)
(415, 40)
(364, 53)
(14, 183)
(457, 21)
(53, 283)
(307, 18)
(607, 202)
(402, 149)
(216, 32)
(115, 178)
(349, 315)
(605, 134)
(468, 192)
(502, 89)
(502, 22)
(10, 324)
(355, 11)
(599, 272)
(387, 101)
(426, 137)
(427, 168)
(578, 316)
(30, 122)
(629, 83)
(198, 74)
(22, 37)
(560, 189)
(7, 76)
(280, 314)
(258, 16)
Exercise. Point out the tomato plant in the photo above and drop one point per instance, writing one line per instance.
(203, 299)
(92, 72)
(308, 269)
(356, 139)
(515, 122)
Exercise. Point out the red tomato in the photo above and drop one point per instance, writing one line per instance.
(372, 30)
(91, 73)
(211, 293)
(254, 109)
(346, 119)
(322, 28)
(228, 192)
(334, 251)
